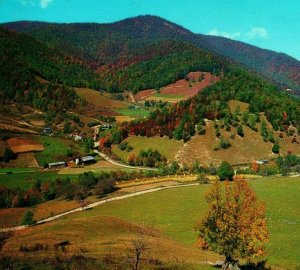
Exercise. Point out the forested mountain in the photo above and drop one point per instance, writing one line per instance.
(123, 43)
(25, 61)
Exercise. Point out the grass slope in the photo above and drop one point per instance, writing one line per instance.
(56, 149)
(174, 213)
(165, 146)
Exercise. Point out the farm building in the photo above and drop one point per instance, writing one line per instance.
(106, 126)
(47, 131)
(57, 165)
(84, 160)
(261, 161)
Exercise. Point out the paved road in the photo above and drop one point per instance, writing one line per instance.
(108, 159)
(92, 205)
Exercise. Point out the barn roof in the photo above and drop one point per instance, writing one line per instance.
(87, 158)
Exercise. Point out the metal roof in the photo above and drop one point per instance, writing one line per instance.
(57, 163)
(87, 158)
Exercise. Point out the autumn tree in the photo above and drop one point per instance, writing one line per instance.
(235, 223)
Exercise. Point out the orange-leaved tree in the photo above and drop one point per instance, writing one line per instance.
(235, 224)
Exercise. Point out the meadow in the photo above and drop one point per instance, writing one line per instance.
(173, 213)
(135, 113)
(24, 179)
(165, 146)
(56, 149)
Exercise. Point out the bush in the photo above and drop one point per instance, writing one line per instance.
(240, 131)
(276, 148)
(28, 219)
(225, 171)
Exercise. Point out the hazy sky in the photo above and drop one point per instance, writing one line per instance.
(271, 24)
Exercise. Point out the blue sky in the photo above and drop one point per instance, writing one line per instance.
(271, 24)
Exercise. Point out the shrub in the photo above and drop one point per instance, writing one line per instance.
(276, 148)
(28, 219)
(240, 131)
(225, 171)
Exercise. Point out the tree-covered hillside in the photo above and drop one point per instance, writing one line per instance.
(180, 121)
(23, 60)
(164, 63)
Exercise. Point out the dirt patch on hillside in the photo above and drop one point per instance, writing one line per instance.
(23, 145)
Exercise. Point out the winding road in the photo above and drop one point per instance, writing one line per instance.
(92, 205)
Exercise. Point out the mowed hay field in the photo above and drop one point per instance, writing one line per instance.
(164, 145)
(173, 214)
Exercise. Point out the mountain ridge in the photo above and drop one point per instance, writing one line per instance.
(122, 38)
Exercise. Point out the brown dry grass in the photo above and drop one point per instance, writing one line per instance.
(233, 104)
(17, 129)
(22, 145)
(243, 150)
(102, 235)
(123, 118)
(100, 100)
(11, 217)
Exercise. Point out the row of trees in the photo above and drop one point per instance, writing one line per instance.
(148, 158)
(86, 185)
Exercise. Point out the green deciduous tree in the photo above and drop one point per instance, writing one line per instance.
(225, 171)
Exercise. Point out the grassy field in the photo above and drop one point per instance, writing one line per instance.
(56, 149)
(173, 213)
(135, 113)
(24, 180)
(165, 146)
(17, 170)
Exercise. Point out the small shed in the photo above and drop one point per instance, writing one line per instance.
(57, 165)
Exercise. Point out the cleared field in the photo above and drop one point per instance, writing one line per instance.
(56, 149)
(24, 180)
(173, 214)
(133, 113)
(22, 145)
(100, 166)
(165, 146)
(243, 150)
(181, 89)
(233, 104)
(123, 118)
(166, 98)
(100, 100)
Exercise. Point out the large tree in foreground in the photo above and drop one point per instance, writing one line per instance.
(235, 223)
